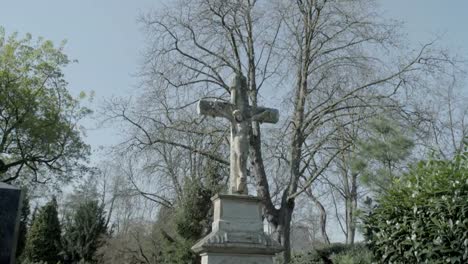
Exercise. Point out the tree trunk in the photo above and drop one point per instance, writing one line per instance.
(323, 219)
(282, 228)
(352, 200)
(350, 228)
(287, 236)
(280, 219)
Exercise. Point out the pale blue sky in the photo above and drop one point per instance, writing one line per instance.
(104, 36)
(426, 18)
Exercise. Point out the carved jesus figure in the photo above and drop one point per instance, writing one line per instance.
(240, 130)
(241, 115)
(240, 151)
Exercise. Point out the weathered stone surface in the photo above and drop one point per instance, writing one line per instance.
(241, 115)
(10, 208)
(235, 259)
(237, 233)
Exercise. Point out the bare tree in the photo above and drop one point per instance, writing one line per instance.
(136, 246)
(446, 121)
(323, 215)
(323, 57)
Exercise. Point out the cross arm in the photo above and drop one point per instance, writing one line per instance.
(215, 108)
(265, 115)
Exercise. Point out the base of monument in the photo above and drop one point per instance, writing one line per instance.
(237, 235)
(218, 258)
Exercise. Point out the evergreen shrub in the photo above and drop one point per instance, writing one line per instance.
(336, 253)
(423, 218)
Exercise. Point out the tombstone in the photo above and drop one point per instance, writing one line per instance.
(237, 235)
(10, 211)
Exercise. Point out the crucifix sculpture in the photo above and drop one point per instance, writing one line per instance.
(241, 115)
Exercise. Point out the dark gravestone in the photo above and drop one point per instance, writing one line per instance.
(10, 209)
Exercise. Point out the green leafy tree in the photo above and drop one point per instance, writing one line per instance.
(423, 218)
(84, 231)
(191, 217)
(190, 221)
(43, 240)
(39, 134)
(374, 157)
(379, 155)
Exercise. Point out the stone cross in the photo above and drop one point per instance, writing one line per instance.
(241, 114)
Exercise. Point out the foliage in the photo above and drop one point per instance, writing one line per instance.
(39, 134)
(424, 216)
(357, 254)
(43, 240)
(335, 253)
(381, 152)
(191, 217)
(83, 232)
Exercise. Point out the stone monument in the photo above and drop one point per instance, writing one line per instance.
(10, 210)
(237, 234)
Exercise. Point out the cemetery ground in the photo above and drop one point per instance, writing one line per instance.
(289, 132)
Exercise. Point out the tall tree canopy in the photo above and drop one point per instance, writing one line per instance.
(84, 231)
(84, 222)
(324, 60)
(39, 134)
(43, 241)
(382, 151)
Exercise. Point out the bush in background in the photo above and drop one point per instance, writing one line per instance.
(356, 254)
(424, 216)
(336, 253)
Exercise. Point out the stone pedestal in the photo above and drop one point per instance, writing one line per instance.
(237, 235)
